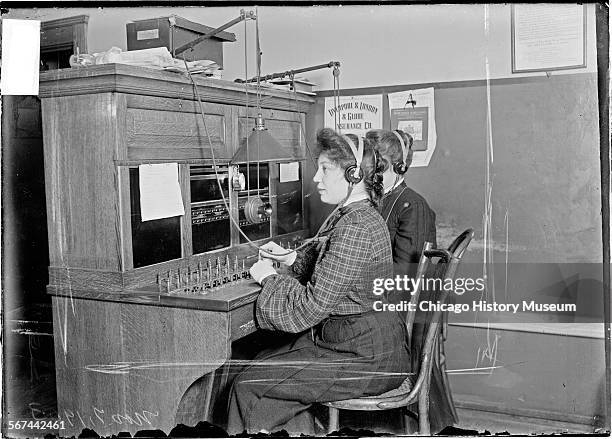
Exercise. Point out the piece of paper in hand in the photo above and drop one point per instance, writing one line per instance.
(289, 172)
(20, 57)
(160, 192)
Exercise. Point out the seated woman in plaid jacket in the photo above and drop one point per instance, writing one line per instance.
(344, 349)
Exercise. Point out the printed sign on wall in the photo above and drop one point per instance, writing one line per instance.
(413, 111)
(354, 114)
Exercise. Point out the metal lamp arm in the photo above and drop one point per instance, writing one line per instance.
(291, 73)
(243, 16)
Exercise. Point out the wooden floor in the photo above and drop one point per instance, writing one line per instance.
(30, 394)
(29, 397)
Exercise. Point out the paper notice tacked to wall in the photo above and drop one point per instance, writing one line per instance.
(354, 114)
(414, 112)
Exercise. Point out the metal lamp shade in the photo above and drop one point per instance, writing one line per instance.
(262, 147)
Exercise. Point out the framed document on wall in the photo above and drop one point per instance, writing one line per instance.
(548, 37)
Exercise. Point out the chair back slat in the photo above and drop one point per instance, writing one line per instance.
(461, 242)
(457, 248)
(442, 264)
(414, 298)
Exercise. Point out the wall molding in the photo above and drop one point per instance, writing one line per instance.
(582, 330)
(465, 402)
(386, 89)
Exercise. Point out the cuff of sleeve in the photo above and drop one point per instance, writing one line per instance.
(291, 258)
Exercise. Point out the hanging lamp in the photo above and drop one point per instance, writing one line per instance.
(262, 147)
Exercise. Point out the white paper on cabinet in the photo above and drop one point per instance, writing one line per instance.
(289, 172)
(160, 192)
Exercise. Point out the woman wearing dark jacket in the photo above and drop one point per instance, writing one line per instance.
(411, 223)
(343, 348)
(410, 220)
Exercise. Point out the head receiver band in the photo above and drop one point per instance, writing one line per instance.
(354, 173)
(401, 167)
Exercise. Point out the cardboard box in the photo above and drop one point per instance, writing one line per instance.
(173, 32)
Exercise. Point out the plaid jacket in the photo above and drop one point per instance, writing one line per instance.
(357, 251)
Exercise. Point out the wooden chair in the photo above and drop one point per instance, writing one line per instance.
(443, 264)
(458, 247)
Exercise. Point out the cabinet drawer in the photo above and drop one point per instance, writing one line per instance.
(164, 128)
(242, 321)
(158, 134)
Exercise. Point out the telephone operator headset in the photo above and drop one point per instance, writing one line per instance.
(354, 173)
(401, 167)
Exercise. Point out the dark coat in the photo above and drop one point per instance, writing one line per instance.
(411, 223)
